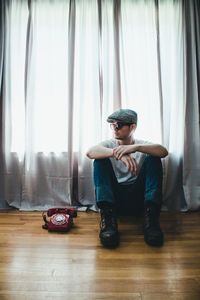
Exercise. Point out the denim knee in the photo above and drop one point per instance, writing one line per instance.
(101, 161)
(153, 159)
(104, 180)
(103, 170)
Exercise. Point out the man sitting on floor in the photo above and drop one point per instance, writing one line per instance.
(128, 178)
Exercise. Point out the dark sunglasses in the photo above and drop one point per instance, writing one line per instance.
(118, 125)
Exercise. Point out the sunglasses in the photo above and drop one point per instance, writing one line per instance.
(118, 125)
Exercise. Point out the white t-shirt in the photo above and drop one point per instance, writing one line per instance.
(120, 169)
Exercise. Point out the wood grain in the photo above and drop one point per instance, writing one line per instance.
(36, 264)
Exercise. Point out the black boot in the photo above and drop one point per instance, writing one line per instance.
(109, 234)
(153, 234)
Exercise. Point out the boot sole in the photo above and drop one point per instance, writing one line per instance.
(153, 242)
(111, 243)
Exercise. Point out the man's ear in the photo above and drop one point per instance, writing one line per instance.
(133, 127)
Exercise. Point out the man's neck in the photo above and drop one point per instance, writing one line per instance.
(129, 141)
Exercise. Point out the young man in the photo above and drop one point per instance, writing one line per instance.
(128, 178)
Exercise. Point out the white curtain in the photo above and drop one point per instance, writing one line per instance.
(191, 153)
(66, 66)
(37, 107)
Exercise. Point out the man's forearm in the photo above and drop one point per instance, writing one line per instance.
(99, 152)
(154, 150)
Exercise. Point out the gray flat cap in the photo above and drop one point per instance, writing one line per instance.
(123, 115)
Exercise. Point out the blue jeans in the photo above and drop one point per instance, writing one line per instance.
(131, 198)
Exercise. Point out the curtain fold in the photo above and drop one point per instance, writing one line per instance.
(191, 154)
(66, 65)
(172, 85)
(87, 93)
(3, 202)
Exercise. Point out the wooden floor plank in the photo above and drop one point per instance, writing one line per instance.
(36, 264)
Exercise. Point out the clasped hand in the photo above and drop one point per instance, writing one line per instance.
(123, 153)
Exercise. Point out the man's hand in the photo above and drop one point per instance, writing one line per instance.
(131, 163)
(119, 151)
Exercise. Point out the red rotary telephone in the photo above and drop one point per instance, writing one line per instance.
(61, 218)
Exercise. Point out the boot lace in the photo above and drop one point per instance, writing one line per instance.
(151, 218)
(108, 219)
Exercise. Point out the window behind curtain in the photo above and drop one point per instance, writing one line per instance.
(38, 60)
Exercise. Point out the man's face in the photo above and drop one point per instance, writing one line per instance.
(121, 130)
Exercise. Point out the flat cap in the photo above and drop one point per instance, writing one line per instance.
(123, 115)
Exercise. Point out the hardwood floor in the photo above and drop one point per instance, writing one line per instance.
(36, 264)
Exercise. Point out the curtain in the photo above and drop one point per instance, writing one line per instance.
(66, 65)
(3, 202)
(191, 153)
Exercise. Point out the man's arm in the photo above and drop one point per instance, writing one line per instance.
(152, 149)
(99, 152)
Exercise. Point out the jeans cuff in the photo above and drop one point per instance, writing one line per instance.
(104, 193)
